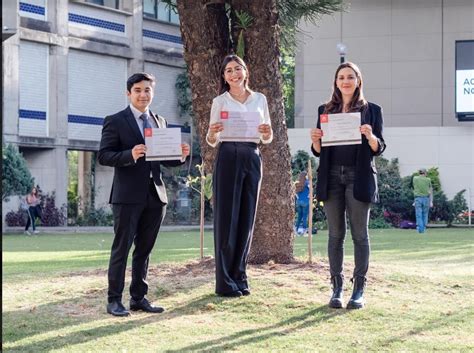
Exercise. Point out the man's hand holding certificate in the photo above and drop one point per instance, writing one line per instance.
(163, 144)
(240, 126)
(341, 129)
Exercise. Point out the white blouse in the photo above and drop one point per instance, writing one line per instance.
(256, 102)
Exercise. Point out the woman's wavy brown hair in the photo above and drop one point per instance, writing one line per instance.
(335, 105)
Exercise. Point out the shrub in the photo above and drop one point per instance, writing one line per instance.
(379, 223)
(16, 218)
(16, 178)
(95, 217)
(51, 216)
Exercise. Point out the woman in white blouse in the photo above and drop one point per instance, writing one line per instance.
(237, 177)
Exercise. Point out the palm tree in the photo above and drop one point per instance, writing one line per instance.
(212, 29)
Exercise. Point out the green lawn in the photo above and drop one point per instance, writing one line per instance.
(419, 298)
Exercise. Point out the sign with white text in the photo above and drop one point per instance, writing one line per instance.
(465, 80)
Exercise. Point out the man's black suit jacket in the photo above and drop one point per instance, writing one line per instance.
(365, 183)
(120, 133)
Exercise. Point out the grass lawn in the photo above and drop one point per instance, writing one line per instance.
(419, 298)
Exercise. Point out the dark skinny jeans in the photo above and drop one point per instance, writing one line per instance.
(340, 202)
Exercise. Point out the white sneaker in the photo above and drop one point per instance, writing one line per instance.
(36, 231)
(27, 232)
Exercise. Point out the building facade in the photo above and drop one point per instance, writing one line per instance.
(65, 66)
(406, 52)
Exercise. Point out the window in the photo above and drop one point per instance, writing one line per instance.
(160, 10)
(108, 3)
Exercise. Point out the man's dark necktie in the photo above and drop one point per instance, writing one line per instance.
(146, 123)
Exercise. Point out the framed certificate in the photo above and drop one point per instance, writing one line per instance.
(163, 144)
(340, 129)
(240, 126)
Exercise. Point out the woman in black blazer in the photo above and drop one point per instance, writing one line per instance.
(347, 181)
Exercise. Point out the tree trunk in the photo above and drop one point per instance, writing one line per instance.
(206, 37)
(205, 34)
(273, 236)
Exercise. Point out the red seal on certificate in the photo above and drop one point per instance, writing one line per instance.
(148, 132)
(324, 118)
(224, 115)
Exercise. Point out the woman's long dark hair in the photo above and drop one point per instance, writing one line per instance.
(224, 86)
(358, 102)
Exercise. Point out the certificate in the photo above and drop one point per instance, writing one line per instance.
(240, 126)
(340, 129)
(163, 144)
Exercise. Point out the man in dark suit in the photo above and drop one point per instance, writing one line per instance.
(138, 195)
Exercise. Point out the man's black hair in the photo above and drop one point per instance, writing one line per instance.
(139, 77)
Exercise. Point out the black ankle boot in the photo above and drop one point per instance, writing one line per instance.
(357, 299)
(337, 290)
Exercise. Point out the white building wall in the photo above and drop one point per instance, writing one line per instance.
(165, 102)
(96, 88)
(33, 90)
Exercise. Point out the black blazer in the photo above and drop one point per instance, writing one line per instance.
(120, 133)
(365, 183)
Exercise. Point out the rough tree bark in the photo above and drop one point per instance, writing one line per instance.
(205, 32)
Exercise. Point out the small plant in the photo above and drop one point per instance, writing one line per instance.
(244, 21)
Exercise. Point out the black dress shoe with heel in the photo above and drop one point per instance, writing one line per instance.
(234, 294)
(144, 305)
(116, 308)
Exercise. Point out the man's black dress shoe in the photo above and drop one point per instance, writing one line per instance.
(233, 294)
(145, 306)
(245, 291)
(116, 308)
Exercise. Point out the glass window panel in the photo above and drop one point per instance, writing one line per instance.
(111, 3)
(97, 2)
(174, 18)
(149, 8)
(163, 12)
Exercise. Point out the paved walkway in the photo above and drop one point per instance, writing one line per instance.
(74, 229)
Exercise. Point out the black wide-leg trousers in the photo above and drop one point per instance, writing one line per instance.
(137, 224)
(236, 186)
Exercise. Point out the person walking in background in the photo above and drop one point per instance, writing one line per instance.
(302, 203)
(347, 181)
(138, 195)
(423, 192)
(34, 210)
(237, 177)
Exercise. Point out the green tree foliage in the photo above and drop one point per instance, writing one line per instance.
(299, 163)
(287, 69)
(183, 90)
(16, 178)
(293, 11)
